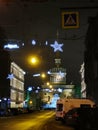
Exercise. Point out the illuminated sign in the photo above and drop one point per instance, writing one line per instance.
(70, 19)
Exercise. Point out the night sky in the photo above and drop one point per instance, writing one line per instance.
(41, 21)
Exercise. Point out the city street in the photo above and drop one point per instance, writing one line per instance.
(42, 120)
(49, 65)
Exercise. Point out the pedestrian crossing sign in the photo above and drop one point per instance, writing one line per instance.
(70, 19)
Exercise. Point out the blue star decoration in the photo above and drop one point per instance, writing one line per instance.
(57, 47)
(10, 76)
(61, 74)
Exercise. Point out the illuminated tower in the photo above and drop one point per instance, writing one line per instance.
(58, 74)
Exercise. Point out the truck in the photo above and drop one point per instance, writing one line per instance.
(63, 105)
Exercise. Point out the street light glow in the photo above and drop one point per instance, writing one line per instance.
(50, 86)
(43, 75)
(34, 60)
(48, 83)
(29, 88)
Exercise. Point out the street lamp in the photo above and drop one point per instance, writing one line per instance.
(43, 75)
(48, 83)
(50, 86)
(33, 60)
(28, 95)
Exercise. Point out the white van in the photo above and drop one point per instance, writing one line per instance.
(64, 105)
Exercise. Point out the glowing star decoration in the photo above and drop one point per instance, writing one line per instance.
(46, 43)
(22, 44)
(29, 89)
(61, 74)
(59, 90)
(33, 42)
(10, 76)
(48, 72)
(38, 87)
(57, 47)
(11, 46)
(36, 75)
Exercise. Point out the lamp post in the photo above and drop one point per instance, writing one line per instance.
(28, 96)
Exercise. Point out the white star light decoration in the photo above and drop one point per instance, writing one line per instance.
(61, 74)
(57, 47)
(10, 76)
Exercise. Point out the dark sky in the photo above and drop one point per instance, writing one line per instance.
(40, 21)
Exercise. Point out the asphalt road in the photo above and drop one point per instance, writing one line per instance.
(43, 120)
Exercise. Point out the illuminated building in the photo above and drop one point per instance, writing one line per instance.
(83, 84)
(91, 59)
(11, 82)
(16, 86)
(57, 87)
(58, 74)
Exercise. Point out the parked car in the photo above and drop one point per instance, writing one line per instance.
(87, 119)
(71, 117)
(14, 111)
(2, 112)
(83, 118)
(5, 112)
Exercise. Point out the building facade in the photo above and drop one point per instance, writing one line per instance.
(11, 82)
(83, 84)
(57, 86)
(91, 59)
(16, 86)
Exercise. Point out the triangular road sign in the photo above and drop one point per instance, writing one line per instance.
(70, 20)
